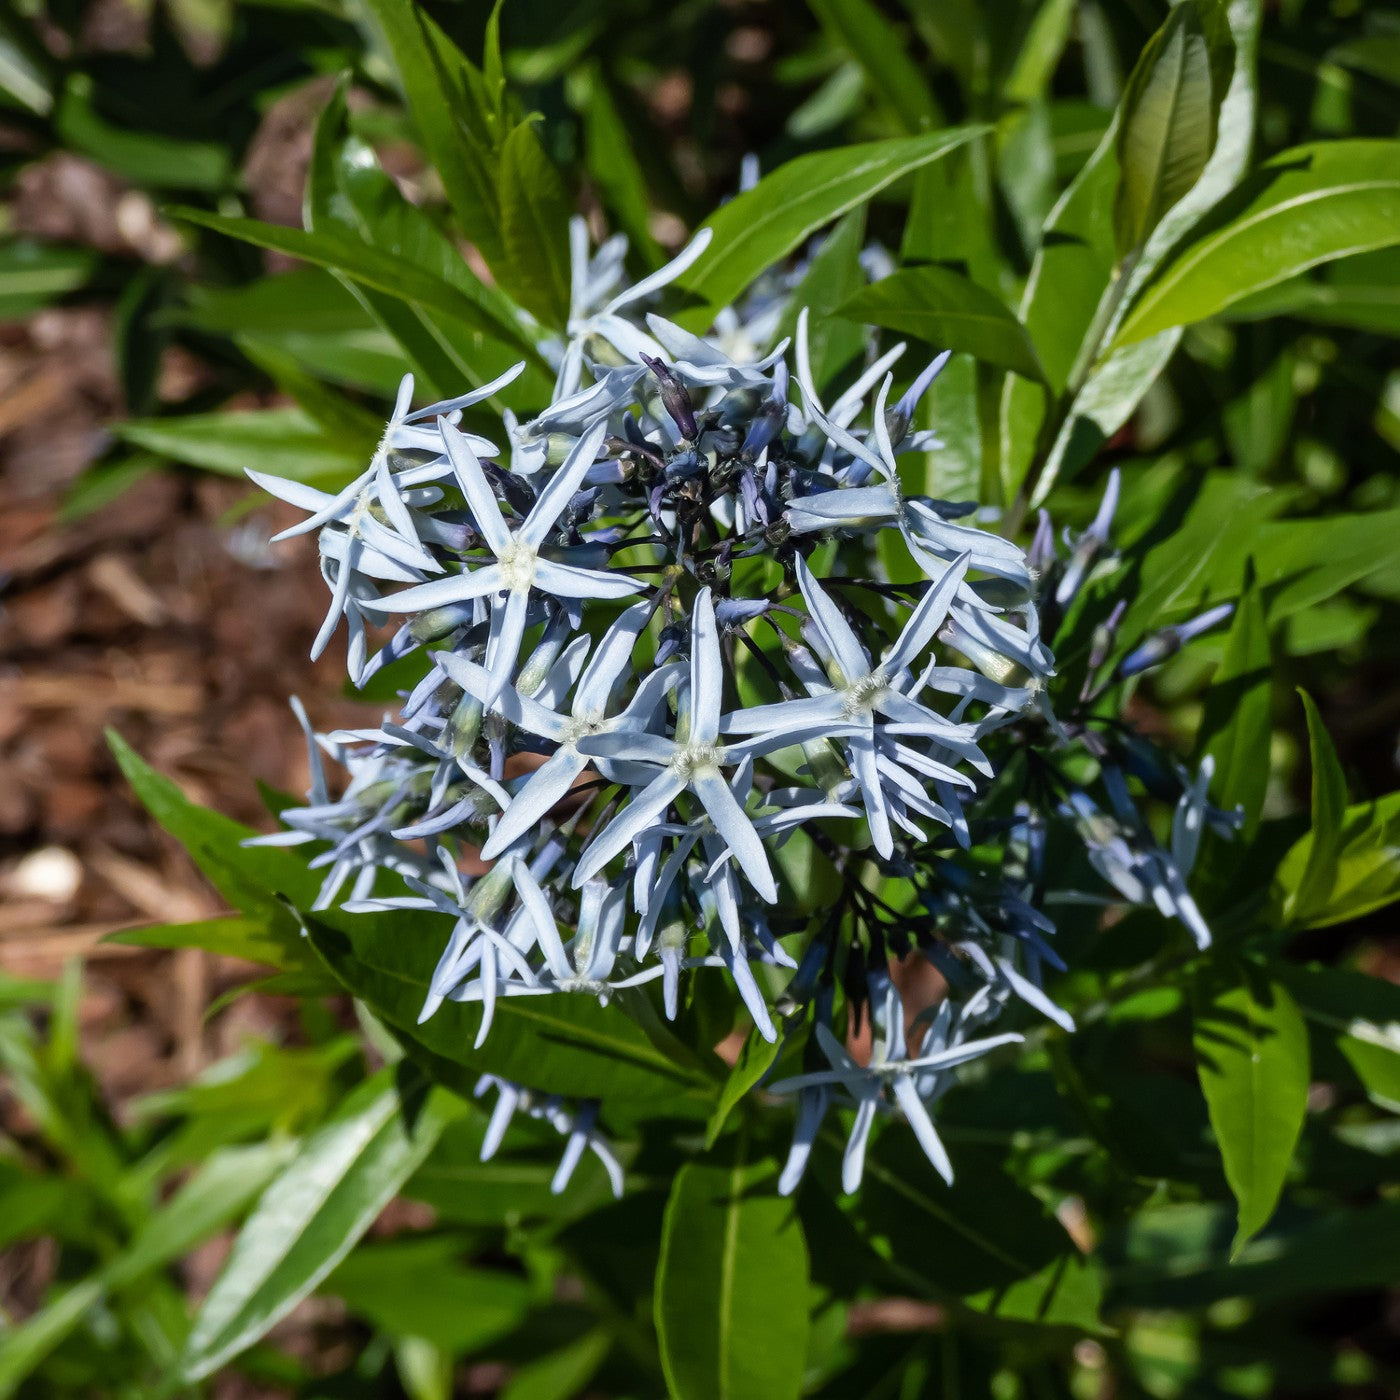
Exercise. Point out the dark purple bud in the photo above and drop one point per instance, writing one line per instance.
(514, 490)
(685, 466)
(767, 424)
(674, 638)
(674, 396)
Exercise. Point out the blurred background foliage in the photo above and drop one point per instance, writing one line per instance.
(1286, 408)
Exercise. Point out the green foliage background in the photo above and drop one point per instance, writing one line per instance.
(1160, 240)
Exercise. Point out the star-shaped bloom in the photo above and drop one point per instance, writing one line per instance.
(844, 704)
(594, 306)
(892, 1078)
(519, 563)
(691, 761)
(588, 715)
(577, 1126)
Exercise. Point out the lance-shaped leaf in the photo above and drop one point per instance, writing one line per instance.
(1303, 207)
(1167, 127)
(731, 1284)
(764, 224)
(313, 1214)
(1252, 1058)
(949, 312)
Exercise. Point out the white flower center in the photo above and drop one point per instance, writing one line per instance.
(859, 699)
(517, 563)
(694, 758)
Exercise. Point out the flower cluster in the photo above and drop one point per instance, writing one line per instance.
(686, 633)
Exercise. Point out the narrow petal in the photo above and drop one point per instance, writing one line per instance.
(562, 486)
(706, 672)
(481, 499)
(926, 619)
(918, 1116)
(732, 823)
(532, 803)
(647, 807)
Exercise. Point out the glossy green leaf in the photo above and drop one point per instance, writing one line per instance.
(535, 209)
(1329, 800)
(455, 127)
(1252, 1059)
(1356, 867)
(755, 1060)
(468, 301)
(311, 1216)
(281, 441)
(561, 1045)
(731, 1284)
(948, 312)
(349, 194)
(763, 225)
(1303, 207)
(1167, 126)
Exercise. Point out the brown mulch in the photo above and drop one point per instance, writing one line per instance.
(166, 616)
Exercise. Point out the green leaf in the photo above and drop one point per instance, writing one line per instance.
(1329, 801)
(1252, 1058)
(560, 1045)
(763, 225)
(1303, 207)
(613, 164)
(248, 939)
(215, 1195)
(282, 441)
(142, 158)
(24, 79)
(1166, 129)
(833, 276)
(984, 1241)
(1236, 727)
(1361, 872)
(1040, 54)
(250, 878)
(893, 78)
(535, 209)
(755, 1060)
(731, 1284)
(420, 1288)
(563, 1372)
(466, 300)
(34, 274)
(312, 1215)
(451, 117)
(347, 193)
(1361, 1015)
(946, 310)
(1177, 1259)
